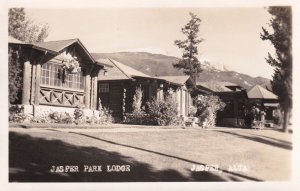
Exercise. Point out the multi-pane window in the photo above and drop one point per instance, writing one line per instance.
(103, 88)
(52, 75)
(74, 81)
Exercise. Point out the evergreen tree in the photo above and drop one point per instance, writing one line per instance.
(281, 39)
(189, 61)
(15, 76)
(23, 28)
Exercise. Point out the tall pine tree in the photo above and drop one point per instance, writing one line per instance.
(281, 39)
(189, 61)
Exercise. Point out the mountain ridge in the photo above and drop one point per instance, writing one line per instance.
(162, 65)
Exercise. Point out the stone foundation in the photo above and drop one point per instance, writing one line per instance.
(45, 110)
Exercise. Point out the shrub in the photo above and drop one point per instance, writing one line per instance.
(138, 118)
(16, 113)
(92, 120)
(79, 115)
(277, 116)
(207, 107)
(104, 114)
(56, 117)
(66, 118)
(105, 117)
(40, 119)
(163, 112)
(192, 111)
(137, 100)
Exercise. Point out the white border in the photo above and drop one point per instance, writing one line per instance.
(290, 185)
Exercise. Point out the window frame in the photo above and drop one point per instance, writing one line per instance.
(74, 82)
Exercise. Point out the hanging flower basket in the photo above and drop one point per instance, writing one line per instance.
(70, 64)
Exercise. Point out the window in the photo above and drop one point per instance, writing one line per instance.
(52, 75)
(74, 81)
(103, 88)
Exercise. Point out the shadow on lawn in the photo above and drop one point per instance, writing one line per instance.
(30, 160)
(263, 139)
(203, 176)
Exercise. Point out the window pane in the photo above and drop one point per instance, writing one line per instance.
(104, 88)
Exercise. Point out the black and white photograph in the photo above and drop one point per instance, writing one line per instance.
(149, 94)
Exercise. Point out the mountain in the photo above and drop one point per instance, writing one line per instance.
(161, 65)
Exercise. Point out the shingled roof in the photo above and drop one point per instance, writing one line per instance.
(59, 45)
(56, 47)
(258, 92)
(180, 80)
(214, 86)
(120, 71)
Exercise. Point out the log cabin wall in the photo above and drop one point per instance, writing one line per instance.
(46, 88)
(50, 86)
(111, 96)
(117, 96)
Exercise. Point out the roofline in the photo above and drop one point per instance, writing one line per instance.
(150, 77)
(103, 64)
(80, 43)
(109, 80)
(206, 89)
(43, 49)
(88, 53)
(120, 69)
(174, 83)
(29, 45)
(37, 47)
(188, 79)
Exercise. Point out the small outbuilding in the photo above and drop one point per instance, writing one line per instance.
(264, 99)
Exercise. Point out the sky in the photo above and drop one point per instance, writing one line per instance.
(231, 35)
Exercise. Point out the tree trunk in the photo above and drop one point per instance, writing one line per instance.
(285, 121)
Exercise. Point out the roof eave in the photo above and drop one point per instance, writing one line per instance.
(86, 51)
(103, 64)
(44, 49)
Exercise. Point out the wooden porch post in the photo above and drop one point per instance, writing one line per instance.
(235, 105)
(87, 90)
(26, 83)
(124, 101)
(160, 92)
(182, 102)
(178, 100)
(94, 100)
(37, 83)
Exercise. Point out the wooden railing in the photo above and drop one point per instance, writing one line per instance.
(60, 97)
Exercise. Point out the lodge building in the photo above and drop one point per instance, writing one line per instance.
(61, 75)
(47, 85)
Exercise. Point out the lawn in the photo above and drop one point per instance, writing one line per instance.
(152, 154)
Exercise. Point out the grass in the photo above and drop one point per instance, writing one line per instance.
(154, 154)
(87, 126)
